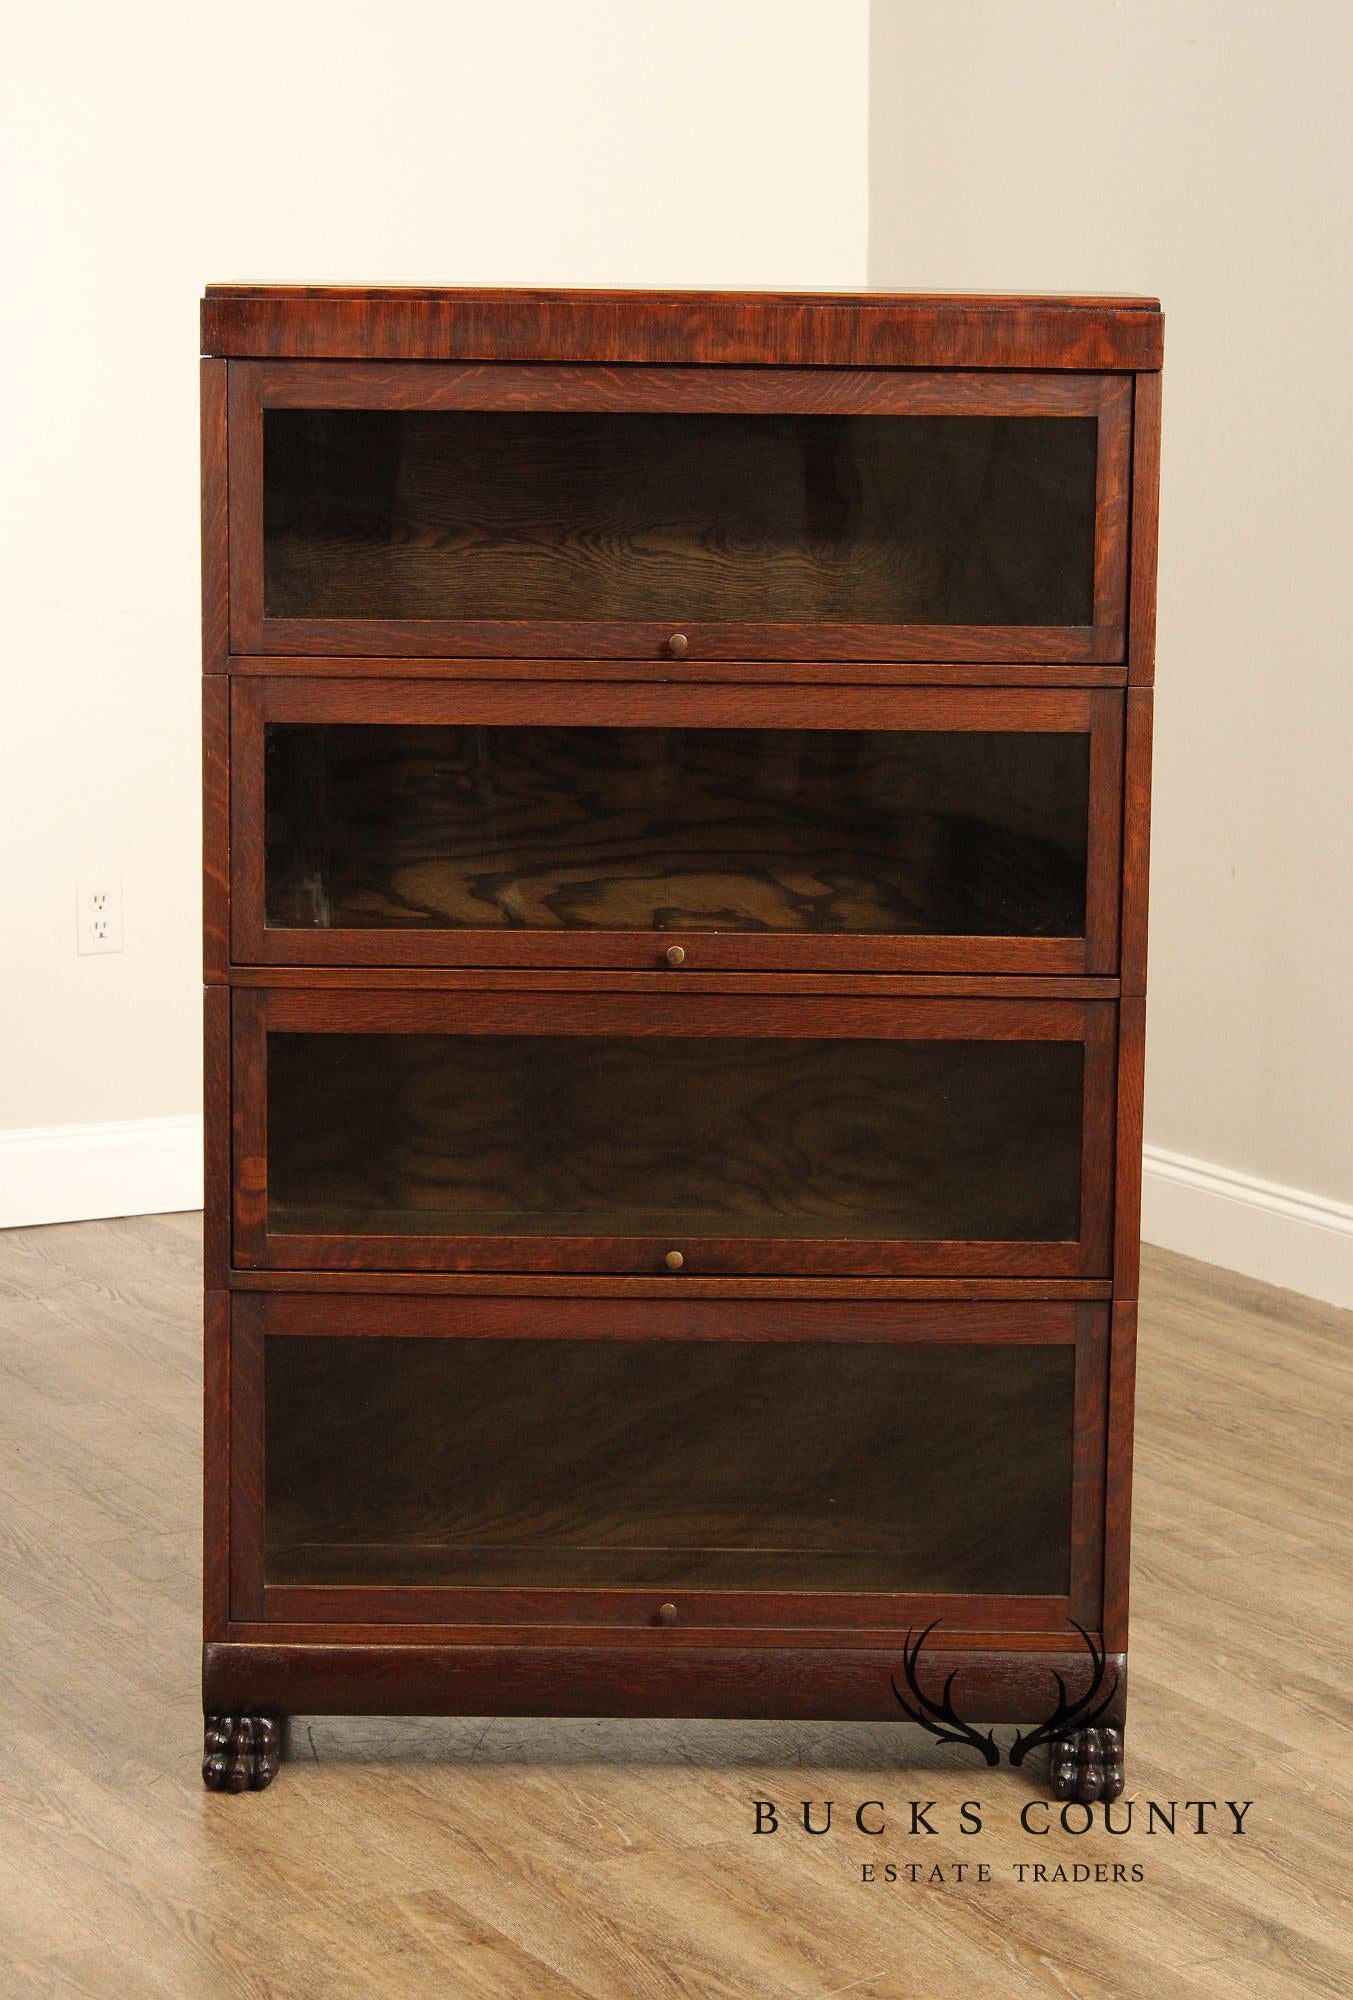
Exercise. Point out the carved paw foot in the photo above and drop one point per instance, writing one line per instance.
(242, 1752)
(1086, 1764)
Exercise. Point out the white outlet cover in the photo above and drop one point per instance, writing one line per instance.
(98, 914)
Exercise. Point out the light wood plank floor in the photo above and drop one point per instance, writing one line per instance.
(612, 1860)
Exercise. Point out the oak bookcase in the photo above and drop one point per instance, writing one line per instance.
(676, 788)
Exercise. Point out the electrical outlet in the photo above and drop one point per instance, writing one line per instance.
(98, 913)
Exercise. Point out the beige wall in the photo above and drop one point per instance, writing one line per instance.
(155, 146)
(1197, 150)
(1187, 147)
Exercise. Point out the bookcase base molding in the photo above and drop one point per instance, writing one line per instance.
(250, 1690)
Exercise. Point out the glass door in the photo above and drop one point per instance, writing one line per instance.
(494, 511)
(760, 1466)
(587, 1131)
(619, 825)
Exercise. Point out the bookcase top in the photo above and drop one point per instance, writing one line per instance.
(788, 329)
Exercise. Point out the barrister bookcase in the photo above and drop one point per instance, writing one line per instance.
(676, 830)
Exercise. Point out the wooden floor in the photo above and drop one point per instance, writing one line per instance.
(612, 1860)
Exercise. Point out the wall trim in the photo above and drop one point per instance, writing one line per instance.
(82, 1173)
(153, 1166)
(1280, 1235)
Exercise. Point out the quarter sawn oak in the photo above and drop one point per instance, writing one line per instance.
(676, 792)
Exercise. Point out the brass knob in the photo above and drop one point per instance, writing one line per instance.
(674, 1260)
(678, 645)
(667, 1614)
(676, 954)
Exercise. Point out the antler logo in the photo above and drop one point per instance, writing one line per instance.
(944, 1723)
(932, 1714)
(1082, 1713)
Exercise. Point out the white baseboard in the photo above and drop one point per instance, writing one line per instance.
(150, 1166)
(1280, 1235)
(80, 1173)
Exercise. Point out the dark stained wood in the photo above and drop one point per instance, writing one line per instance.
(586, 628)
(248, 823)
(1098, 1138)
(792, 1480)
(496, 1317)
(640, 704)
(216, 1315)
(1105, 844)
(373, 1590)
(334, 1239)
(563, 1285)
(247, 1470)
(1127, 1224)
(1086, 1764)
(861, 329)
(241, 1753)
(215, 520)
(244, 472)
(522, 1608)
(358, 1631)
(299, 1234)
(216, 1098)
(667, 672)
(1118, 1472)
(694, 979)
(494, 639)
(1136, 839)
(587, 1012)
(675, 1638)
(215, 826)
(248, 1114)
(1087, 1493)
(424, 834)
(697, 519)
(1145, 528)
(643, 1676)
(588, 957)
(368, 385)
(1112, 497)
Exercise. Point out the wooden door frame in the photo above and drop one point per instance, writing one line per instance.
(255, 386)
(256, 702)
(257, 1011)
(256, 1609)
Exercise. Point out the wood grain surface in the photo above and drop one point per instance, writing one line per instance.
(681, 1466)
(458, 514)
(499, 385)
(666, 672)
(968, 1158)
(1145, 527)
(401, 523)
(835, 515)
(383, 826)
(603, 1136)
(215, 519)
(698, 978)
(351, 800)
(546, 1859)
(850, 329)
